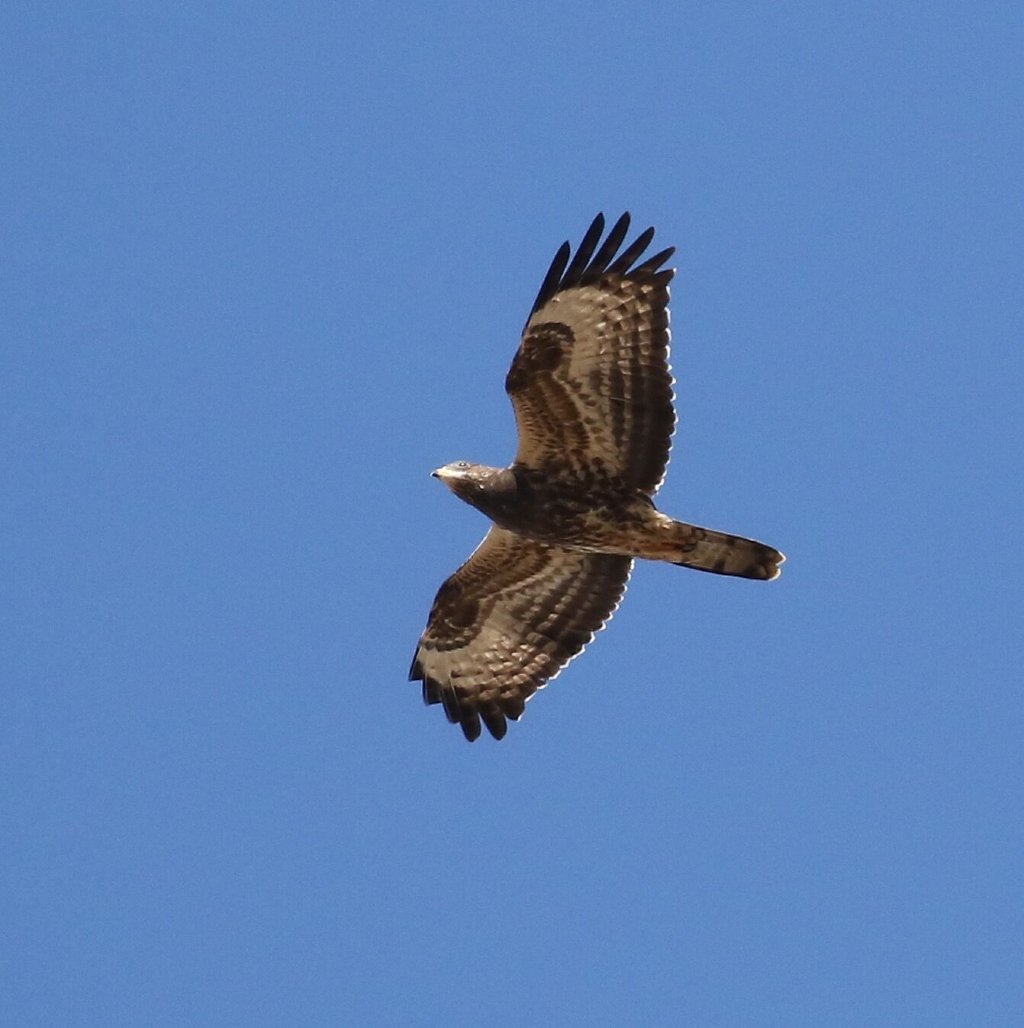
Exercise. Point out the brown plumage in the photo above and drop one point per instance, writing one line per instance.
(592, 394)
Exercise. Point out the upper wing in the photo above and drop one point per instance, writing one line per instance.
(590, 383)
(507, 621)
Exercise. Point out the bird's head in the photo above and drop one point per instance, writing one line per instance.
(477, 484)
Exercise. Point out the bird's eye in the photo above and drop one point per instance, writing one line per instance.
(463, 464)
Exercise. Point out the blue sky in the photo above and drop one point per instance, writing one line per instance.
(263, 267)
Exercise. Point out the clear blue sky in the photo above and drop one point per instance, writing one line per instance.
(263, 267)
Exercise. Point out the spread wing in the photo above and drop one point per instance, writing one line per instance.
(507, 621)
(590, 383)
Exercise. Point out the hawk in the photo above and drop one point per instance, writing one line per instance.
(592, 394)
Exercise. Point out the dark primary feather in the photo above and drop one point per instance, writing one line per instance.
(587, 267)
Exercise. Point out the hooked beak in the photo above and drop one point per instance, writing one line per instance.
(441, 473)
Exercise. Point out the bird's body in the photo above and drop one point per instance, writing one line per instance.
(592, 393)
(597, 513)
(584, 513)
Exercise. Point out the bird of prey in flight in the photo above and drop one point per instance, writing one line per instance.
(592, 394)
